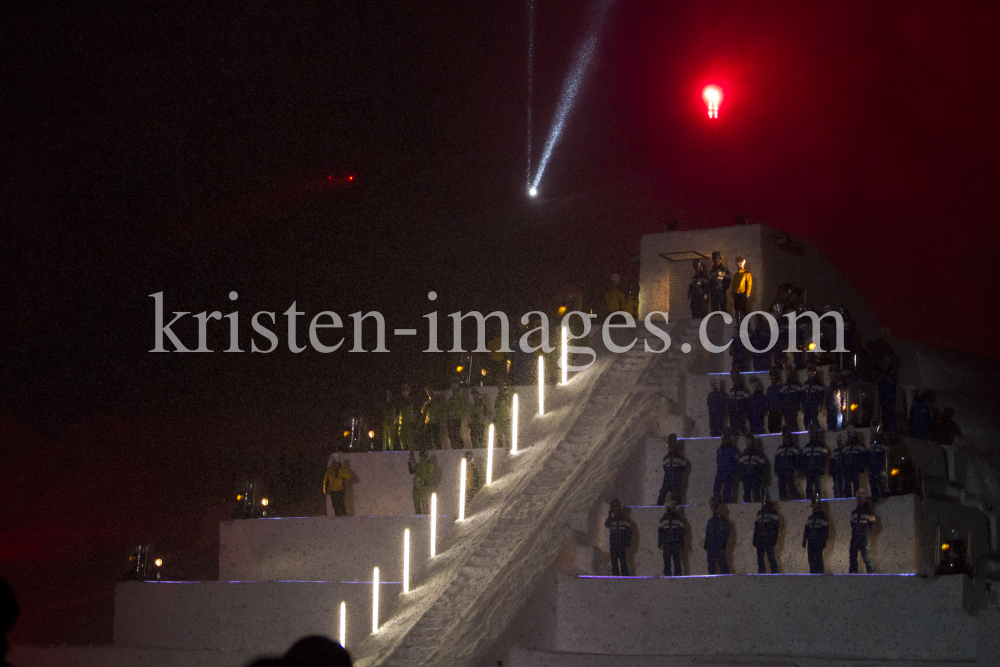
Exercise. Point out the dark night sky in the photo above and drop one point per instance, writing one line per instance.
(185, 149)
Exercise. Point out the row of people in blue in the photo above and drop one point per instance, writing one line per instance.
(756, 411)
(845, 465)
(767, 526)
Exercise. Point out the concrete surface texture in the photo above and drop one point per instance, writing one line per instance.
(896, 618)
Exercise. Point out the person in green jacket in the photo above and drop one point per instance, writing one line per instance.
(405, 417)
(390, 420)
(479, 414)
(423, 481)
(433, 414)
(503, 415)
(458, 408)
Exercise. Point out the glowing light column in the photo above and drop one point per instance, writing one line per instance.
(541, 385)
(406, 560)
(564, 356)
(461, 491)
(489, 458)
(434, 519)
(513, 433)
(375, 600)
(343, 624)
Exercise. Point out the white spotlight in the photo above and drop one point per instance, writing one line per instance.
(541, 385)
(489, 458)
(375, 600)
(533, 191)
(461, 492)
(564, 355)
(406, 560)
(343, 624)
(434, 518)
(513, 433)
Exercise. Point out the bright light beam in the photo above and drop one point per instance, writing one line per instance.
(489, 458)
(531, 84)
(461, 491)
(434, 523)
(564, 355)
(375, 600)
(406, 560)
(571, 88)
(513, 433)
(541, 386)
(343, 624)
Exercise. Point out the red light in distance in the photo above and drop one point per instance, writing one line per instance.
(713, 97)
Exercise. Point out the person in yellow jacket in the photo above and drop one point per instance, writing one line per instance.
(334, 485)
(742, 284)
(630, 304)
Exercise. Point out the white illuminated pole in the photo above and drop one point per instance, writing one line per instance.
(406, 560)
(489, 458)
(565, 354)
(434, 518)
(513, 433)
(375, 600)
(541, 385)
(343, 624)
(461, 492)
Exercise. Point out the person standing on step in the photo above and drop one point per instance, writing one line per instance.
(765, 535)
(757, 408)
(473, 479)
(433, 413)
(670, 538)
(334, 485)
(878, 459)
(815, 458)
(457, 408)
(836, 401)
(479, 414)
(674, 467)
(423, 481)
(791, 399)
(719, 279)
(503, 415)
(815, 536)
(787, 462)
(812, 394)
(727, 463)
(774, 400)
(698, 290)
(716, 539)
(853, 461)
(837, 468)
(862, 521)
(753, 470)
(620, 538)
(739, 404)
(742, 284)
(717, 401)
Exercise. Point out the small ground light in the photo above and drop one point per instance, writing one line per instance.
(461, 490)
(513, 433)
(541, 385)
(406, 560)
(489, 457)
(564, 357)
(434, 516)
(375, 600)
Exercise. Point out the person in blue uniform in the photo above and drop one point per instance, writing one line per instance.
(921, 414)
(887, 397)
(774, 399)
(765, 536)
(836, 401)
(814, 538)
(878, 459)
(674, 467)
(791, 398)
(753, 469)
(862, 521)
(670, 538)
(739, 404)
(760, 339)
(719, 278)
(812, 394)
(815, 458)
(853, 461)
(620, 537)
(837, 468)
(757, 407)
(727, 462)
(787, 461)
(698, 290)
(716, 539)
(717, 401)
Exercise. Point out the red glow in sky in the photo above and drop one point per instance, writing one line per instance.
(712, 96)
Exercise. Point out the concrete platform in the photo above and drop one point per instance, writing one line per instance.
(640, 478)
(323, 549)
(894, 541)
(872, 618)
(246, 617)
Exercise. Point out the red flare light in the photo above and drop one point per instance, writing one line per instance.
(713, 97)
